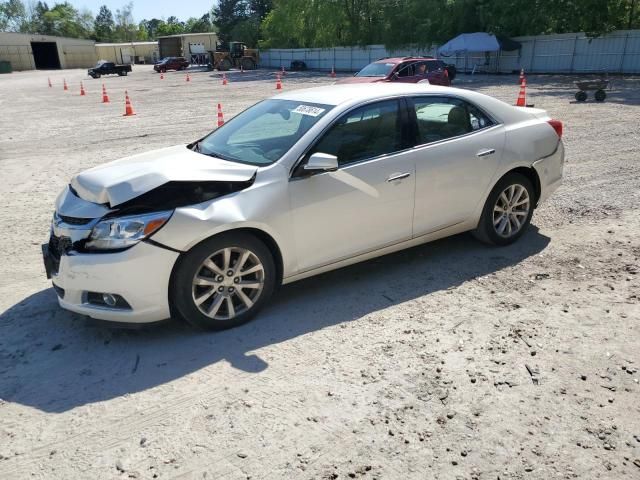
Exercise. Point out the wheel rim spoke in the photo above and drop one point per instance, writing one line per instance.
(515, 221)
(254, 269)
(204, 281)
(213, 267)
(203, 298)
(231, 311)
(215, 306)
(245, 299)
(226, 259)
(241, 261)
(502, 225)
(250, 285)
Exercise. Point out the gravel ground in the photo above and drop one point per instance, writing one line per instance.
(449, 360)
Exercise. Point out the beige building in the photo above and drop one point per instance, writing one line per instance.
(192, 46)
(130, 52)
(28, 52)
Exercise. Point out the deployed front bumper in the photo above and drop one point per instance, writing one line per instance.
(140, 275)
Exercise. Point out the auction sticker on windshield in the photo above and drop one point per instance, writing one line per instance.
(308, 110)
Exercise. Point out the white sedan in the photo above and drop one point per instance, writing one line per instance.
(302, 183)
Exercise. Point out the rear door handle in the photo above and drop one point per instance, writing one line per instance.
(484, 153)
(400, 176)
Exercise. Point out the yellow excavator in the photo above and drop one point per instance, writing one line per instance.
(233, 55)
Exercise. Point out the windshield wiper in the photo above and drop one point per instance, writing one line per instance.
(215, 154)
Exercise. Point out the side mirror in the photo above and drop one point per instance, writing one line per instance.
(322, 161)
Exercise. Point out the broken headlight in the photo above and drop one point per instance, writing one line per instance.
(122, 232)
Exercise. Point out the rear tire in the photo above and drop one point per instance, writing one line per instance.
(581, 96)
(600, 95)
(223, 281)
(507, 211)
(248, 64)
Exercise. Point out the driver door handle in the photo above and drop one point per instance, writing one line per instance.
(399, 176)
(484, 153)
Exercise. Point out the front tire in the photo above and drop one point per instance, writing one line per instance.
(507, 211)
(224, 281)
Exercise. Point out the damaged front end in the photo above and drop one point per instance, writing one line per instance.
(81, 226)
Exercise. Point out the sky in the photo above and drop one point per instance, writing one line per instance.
(147, 9)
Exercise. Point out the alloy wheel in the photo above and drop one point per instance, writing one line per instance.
(228, 283)
(511, 210)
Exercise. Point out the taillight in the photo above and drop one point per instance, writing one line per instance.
(557, 126)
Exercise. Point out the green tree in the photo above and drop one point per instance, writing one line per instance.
(13, 16)
(151, 27)
(197, 25)
(64, 20)
(227, 14)
(104, 25)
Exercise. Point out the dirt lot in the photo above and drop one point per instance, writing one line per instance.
(450, 360)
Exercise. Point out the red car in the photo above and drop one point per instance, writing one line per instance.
(171, 63)
(406, 70)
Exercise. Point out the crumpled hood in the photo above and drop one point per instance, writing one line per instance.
(117, 182)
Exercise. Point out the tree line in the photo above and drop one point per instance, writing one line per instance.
(329, 23)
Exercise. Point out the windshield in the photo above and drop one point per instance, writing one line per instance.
(376, 70)
(263, 133)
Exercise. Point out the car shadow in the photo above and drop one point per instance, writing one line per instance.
(54, 360)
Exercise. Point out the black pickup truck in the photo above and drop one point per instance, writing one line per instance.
(108, 68)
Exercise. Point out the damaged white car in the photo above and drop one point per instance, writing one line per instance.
(296, 185)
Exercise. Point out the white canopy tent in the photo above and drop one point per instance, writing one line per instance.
(470, 42)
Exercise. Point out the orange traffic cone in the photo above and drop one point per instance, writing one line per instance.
(224, 79)
(521, 101)
(64, 82)
(49, 80)
(220, 117)
(188, 79)
(82, 93)
(161, 76)
(333, 72)
(128, 109)
(278, 83)
(105, 97)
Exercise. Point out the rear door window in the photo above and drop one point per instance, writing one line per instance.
(439, 118)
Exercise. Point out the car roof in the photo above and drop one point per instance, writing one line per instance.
(402, 59)
(348, 93)
(356, 93)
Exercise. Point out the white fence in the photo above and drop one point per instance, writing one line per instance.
(618, 52)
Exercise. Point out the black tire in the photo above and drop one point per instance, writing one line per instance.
(248, 64)
(581, 96)
(181, 293)
(486, 231)
(600, 95)
(96, 75)
(224, 65)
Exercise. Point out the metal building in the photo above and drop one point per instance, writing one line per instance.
(192, 46)
(28, 52)
(130, 52)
